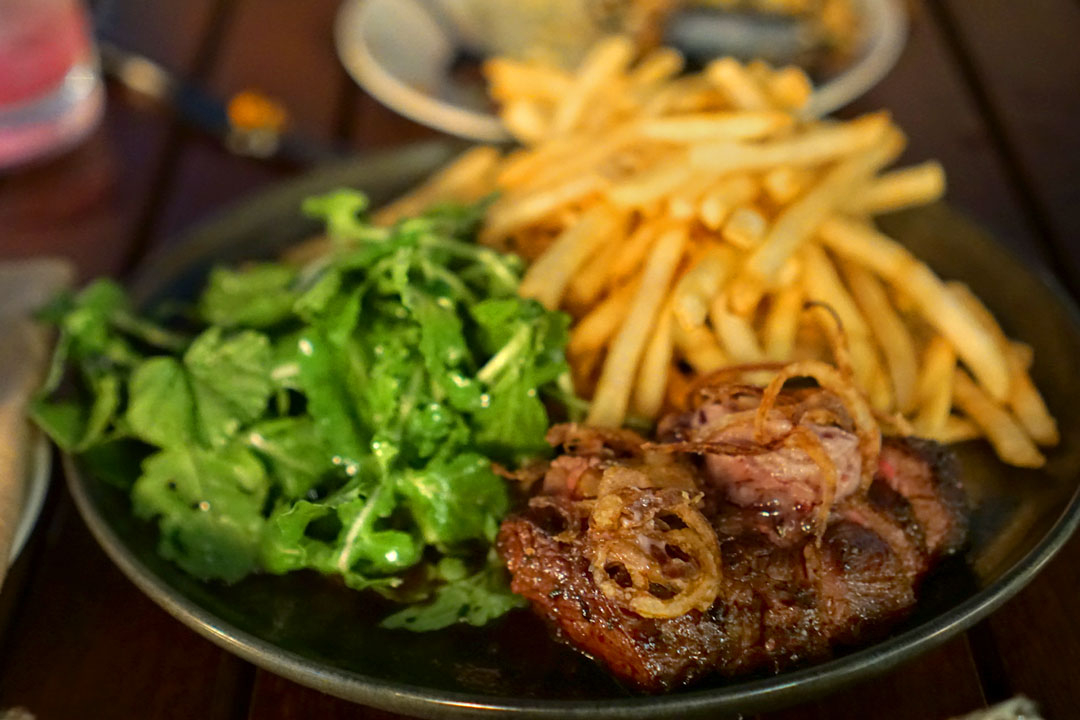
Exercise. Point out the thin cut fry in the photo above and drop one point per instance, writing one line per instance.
(655, 364)
(464, 173)
(816, 146)
(509, 214)
(973, 343)
(695, 127)
(607, 58)
(548, 277)
(889, 330)
(1001, 428)
(782, 322)
(935, 388)
(595, 329)
(736, 335)
(609, 403)
(1026, 401)
(699, 347)
(798, 221)
(907, 187)
(745, 227)
(739, 86)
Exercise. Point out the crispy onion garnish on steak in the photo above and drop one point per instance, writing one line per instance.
(830, 379)
(653, 552)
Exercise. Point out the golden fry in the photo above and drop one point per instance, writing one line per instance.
(782, 322)
(696, 127)
(1004, 432)
(594, 330)
(888, 329)
(655, 365)
(908, 187)
(609, 403)
(934, 392)
(973, 343)
(462, 179)
(547, 278)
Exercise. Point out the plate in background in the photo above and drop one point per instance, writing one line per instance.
(399, 52)
(320, 634)
(39, 466)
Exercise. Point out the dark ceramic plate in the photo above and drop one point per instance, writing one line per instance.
(325, 636)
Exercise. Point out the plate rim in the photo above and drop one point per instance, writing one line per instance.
(751, 696)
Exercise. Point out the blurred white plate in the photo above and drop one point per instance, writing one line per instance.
(39, 466)
(399, 52)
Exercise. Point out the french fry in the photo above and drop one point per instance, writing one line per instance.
(609, 403)
(782, 322)
(595, 329)
(699, 347)
(956, 430)
(745, 227)
(605, 60)
(789, 88)
(526, 120)
(908, 187)
(719, 201)
(595, 274)
(462, 176)
(737, 84)
(1023, 398)
(799, 220)
(652, 184)
(1026, 401)
(652, 376)
(935, 387)
(1002, 430)
(702, 282)
(888, 329)
(547, 278)
(659, 65)
(634, 250)
(783, 184)
(973, 343)
(511, 80)
(735, 334)
(696, 127)
(508, 214)
(815, 146)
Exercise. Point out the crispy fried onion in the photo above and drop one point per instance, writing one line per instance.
(830, 379)
(653, 552)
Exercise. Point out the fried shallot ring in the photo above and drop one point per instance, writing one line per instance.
(653, 552)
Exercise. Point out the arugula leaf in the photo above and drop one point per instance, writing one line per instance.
(230, 381)
(298, 457)
(474, 599)
(209, 508)
(258, 296)
(456, 500)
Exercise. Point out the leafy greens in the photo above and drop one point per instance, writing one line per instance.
(341, 417)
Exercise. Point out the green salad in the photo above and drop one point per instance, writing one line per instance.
(341, 416)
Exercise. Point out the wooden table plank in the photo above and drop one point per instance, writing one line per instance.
(903, 695)
(1025, 63)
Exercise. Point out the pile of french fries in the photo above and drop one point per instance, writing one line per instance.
(686, 220)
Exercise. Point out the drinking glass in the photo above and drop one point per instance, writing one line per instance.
(50, 86)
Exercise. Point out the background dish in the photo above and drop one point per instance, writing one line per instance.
(37, 487)
(417, 78)
(294, 625)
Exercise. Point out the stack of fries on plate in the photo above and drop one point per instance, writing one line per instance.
(685, 221)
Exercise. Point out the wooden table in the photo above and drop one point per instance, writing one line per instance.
(989, 87)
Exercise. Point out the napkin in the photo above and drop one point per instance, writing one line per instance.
(25, 286)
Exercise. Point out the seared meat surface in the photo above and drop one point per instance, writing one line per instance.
(775, 601)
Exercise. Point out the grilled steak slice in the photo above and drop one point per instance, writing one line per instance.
(778, 604)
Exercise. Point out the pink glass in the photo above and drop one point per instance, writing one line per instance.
(50, 88)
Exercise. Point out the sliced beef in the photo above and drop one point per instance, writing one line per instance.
(783, 481)
(779, 603)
